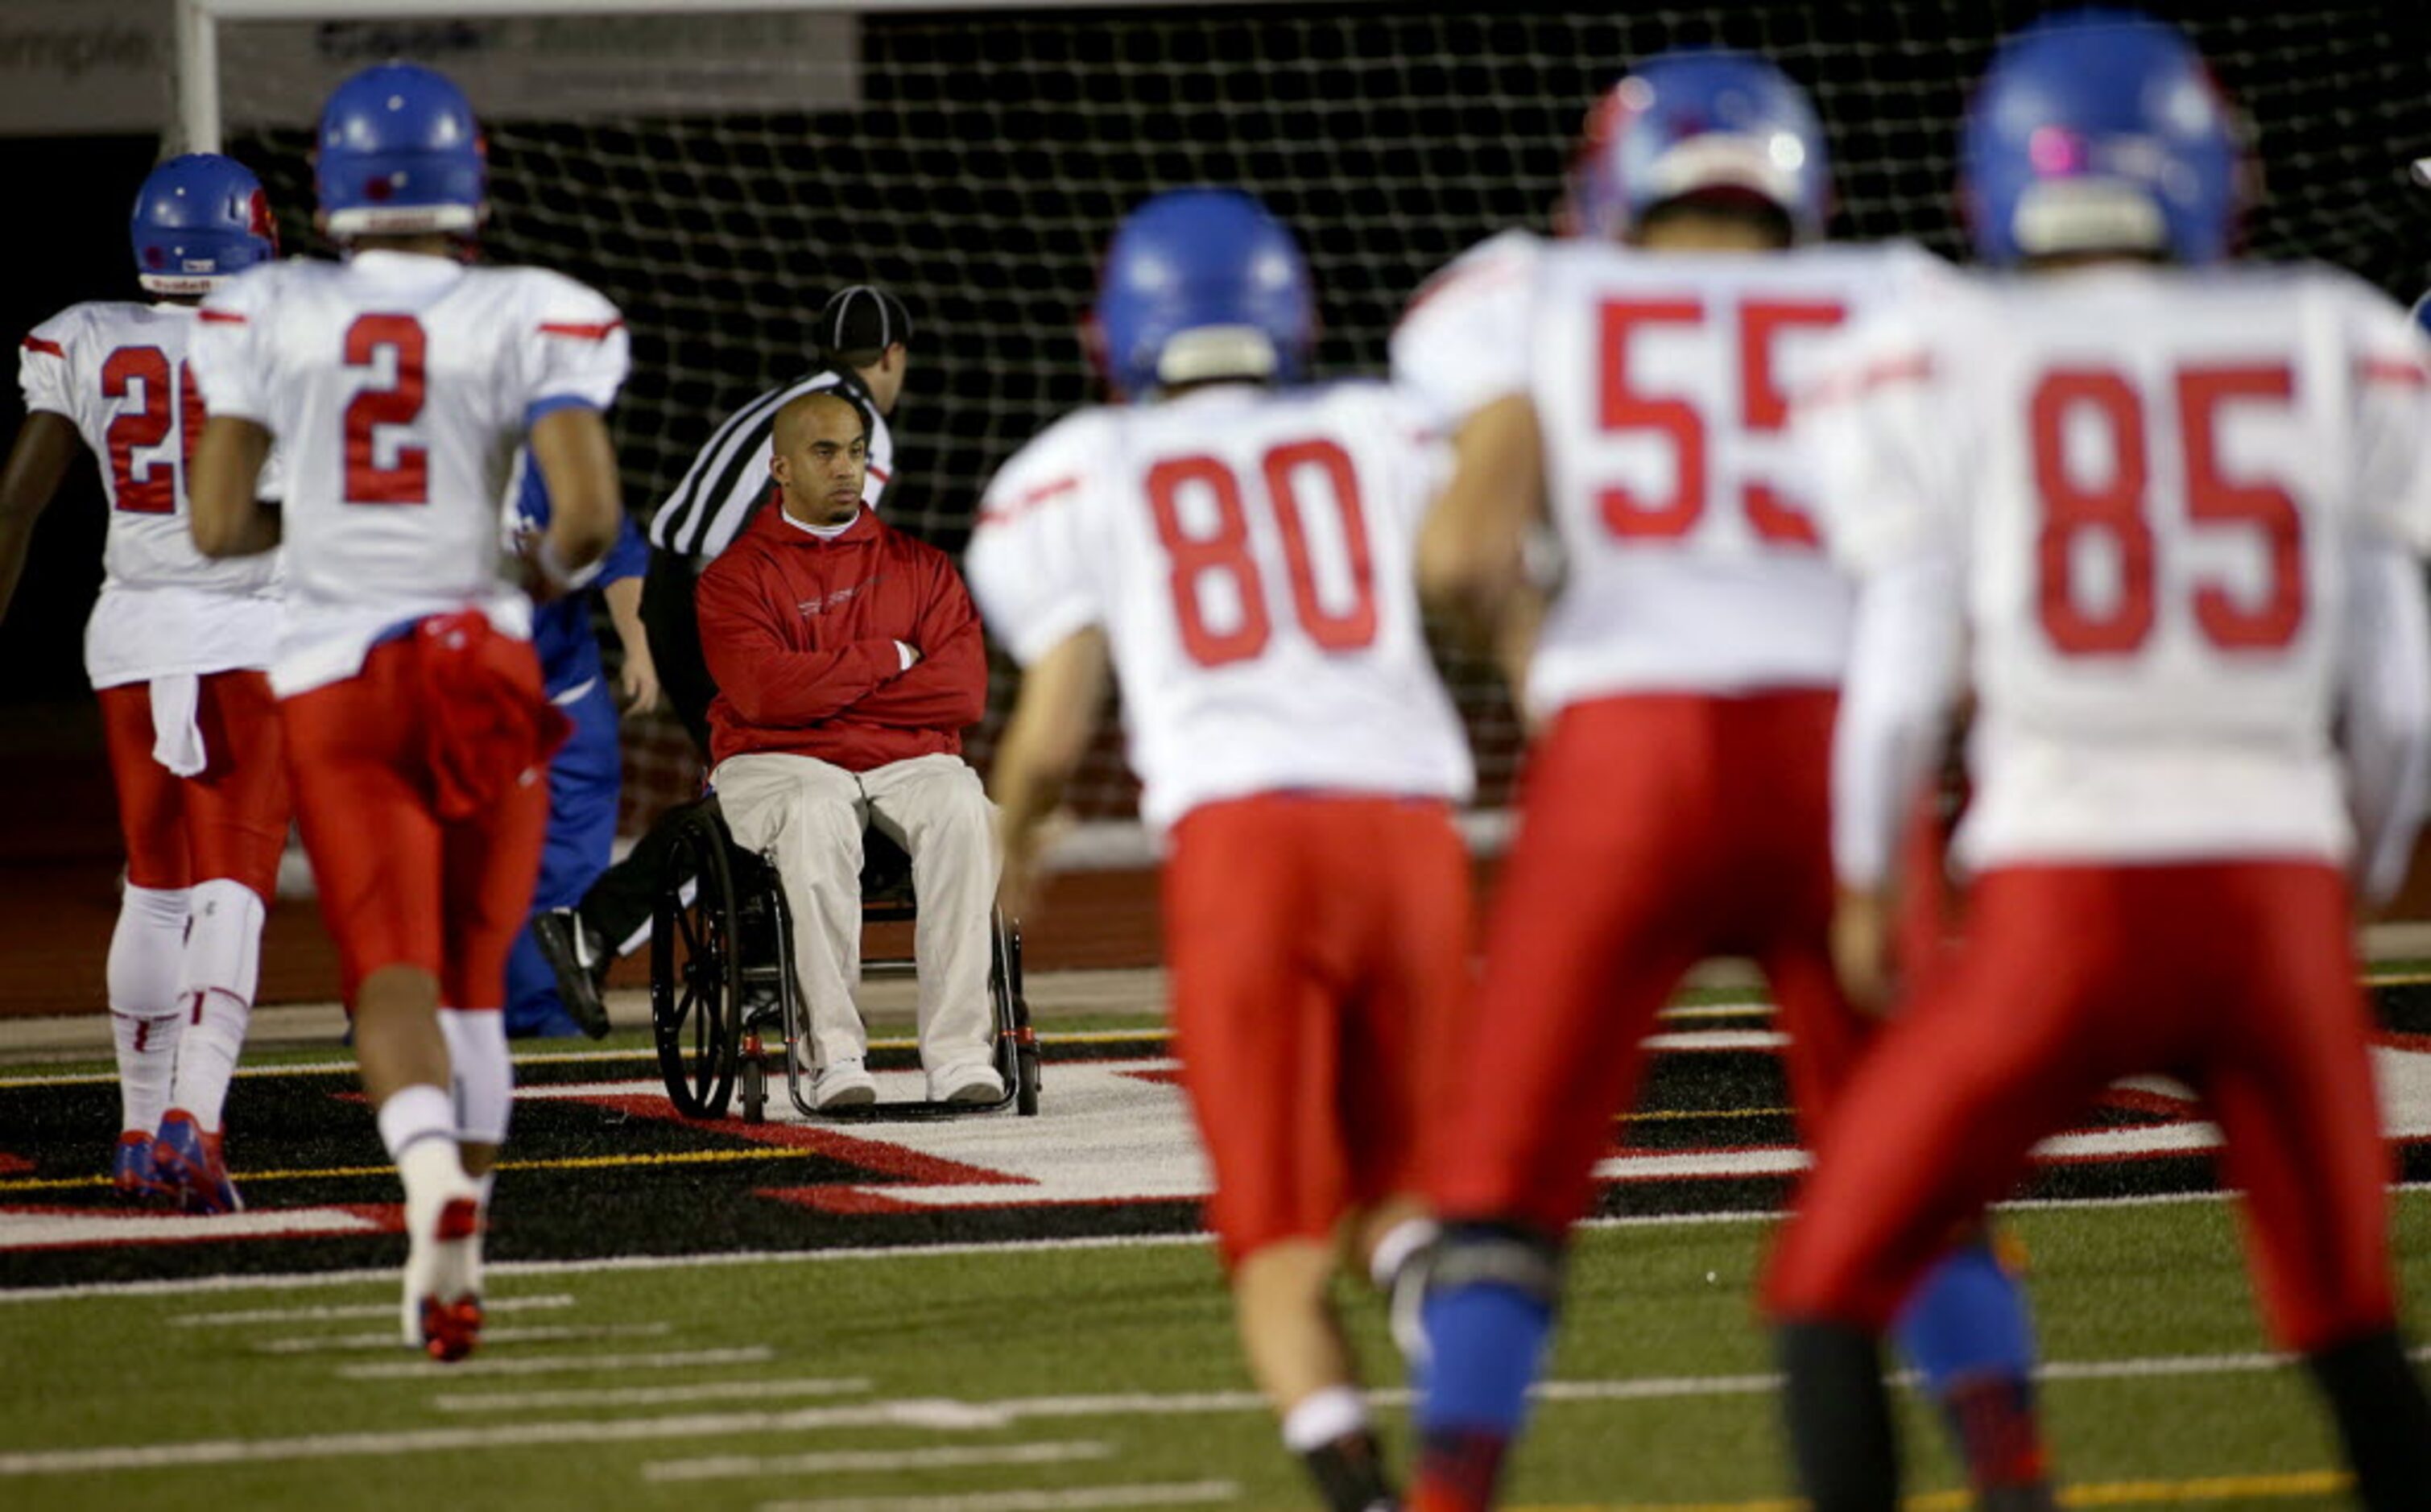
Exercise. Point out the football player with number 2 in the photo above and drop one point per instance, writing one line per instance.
(175, 648)
(1236, 547)
(398, 384)
(2161, 514)
(1627, 390)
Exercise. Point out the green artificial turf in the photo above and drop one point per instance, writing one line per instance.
(1146, 1325)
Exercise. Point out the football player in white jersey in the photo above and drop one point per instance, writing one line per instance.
(399, 384)
(1237, 548)
(1626, 389)
(175, 648)
(2159, 514)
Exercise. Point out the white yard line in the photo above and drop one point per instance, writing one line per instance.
(554, 1269)
(1160, 1493)
(331, 1315)
(942, 1414)
(738, 1466)
(673, 1396)
(554, 1363)
(387, 1338)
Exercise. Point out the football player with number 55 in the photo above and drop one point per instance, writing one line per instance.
(397, 384)
(1626, 389)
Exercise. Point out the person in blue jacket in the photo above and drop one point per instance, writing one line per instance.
(586, 774)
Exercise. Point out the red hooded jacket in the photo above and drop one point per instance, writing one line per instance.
(799, 633)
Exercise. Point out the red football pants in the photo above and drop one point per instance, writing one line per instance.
(400, 884)
(1654, 831)
(1318, 945)
(229, 821)
(2237, 978)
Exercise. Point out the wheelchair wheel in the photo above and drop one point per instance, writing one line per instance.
(1018, 1052)
(695, 973)
(755, 1087)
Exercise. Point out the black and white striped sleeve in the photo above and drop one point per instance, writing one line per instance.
(723, 481)
(729, 479)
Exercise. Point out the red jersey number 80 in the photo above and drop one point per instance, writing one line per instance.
(1292, 475)
(397, 344)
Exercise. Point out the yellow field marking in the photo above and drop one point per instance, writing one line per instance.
(2105, 1493)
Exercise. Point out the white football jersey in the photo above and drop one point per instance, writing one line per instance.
(118, 373)
(398, 386)
(1247, 553)
(2154, 487)
(1662, 384)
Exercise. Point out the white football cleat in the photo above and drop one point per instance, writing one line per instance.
(441, 1310)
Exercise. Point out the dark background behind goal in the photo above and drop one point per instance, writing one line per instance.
(993, 154)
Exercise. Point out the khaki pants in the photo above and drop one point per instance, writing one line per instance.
(807, 816)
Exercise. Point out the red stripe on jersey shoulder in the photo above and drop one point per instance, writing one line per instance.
(882, 476)
(1914, 367)
(48, 348)
(2395, 370)
(597, 332)
(1030, 500)
(222, 317)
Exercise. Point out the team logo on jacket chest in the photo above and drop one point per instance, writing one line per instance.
(829, 603)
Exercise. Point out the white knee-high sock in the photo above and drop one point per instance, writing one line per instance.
(144, 950)
(482, 1072)
(217, 977)
(418, 1125)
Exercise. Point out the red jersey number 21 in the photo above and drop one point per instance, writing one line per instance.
(396, 344)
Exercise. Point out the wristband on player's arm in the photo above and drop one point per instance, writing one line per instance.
(561, 577)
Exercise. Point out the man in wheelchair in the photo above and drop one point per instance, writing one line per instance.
(848, 660)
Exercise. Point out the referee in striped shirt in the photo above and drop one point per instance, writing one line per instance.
(862, 334)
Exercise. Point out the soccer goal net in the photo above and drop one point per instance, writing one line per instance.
(717, 170)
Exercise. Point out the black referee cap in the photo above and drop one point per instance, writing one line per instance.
(862, 318)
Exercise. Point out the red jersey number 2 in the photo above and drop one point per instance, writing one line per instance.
(396, 342)
(1224, 554)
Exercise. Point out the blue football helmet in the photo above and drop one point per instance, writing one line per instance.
(2102, 131)
(1202, 283)
(400, 154)
(197, 219)
(1700, 123)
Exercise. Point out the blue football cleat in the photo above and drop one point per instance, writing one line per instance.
(130, 1168)
(186, 1162)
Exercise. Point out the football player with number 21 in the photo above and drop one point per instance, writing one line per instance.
(398, 384)
(176, 649)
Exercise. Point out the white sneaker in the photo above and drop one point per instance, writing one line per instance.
(971, 1081)
(844, 1084)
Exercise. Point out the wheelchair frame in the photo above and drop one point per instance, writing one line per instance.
(737, 929)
